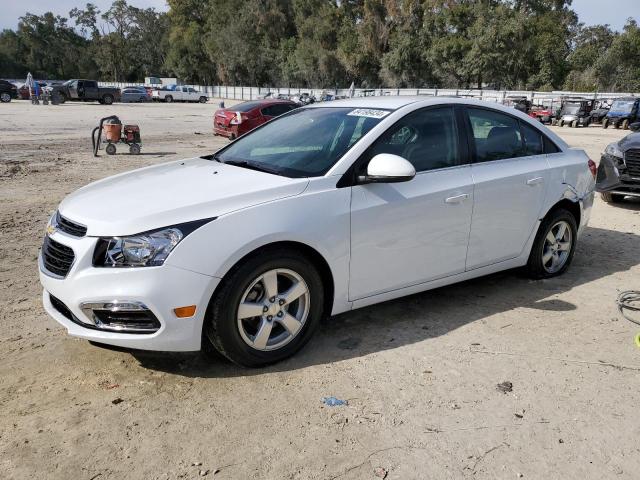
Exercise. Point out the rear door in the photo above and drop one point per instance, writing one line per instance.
(408, 233)
(510, 175)
(90, 89)
(73, 88)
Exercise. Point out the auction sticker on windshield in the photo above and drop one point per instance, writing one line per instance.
(368, 112)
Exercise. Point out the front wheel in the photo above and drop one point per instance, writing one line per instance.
(203, 99)
(605, 123)
(625, 124)
(168, 99)
(5, 97)
(110, 149)
(107, 100)
(266, 308)
(554, 245)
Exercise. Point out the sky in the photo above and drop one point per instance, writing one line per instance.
(613, 12)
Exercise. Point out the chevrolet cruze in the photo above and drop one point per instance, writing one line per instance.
(326, 209)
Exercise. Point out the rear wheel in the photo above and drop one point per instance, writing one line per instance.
(625, 124)
(553, 246)
(612, 197)
(168, 99)
(605, 123)
(203, 99)
(107, 99)
(5, 97)
(266, 309)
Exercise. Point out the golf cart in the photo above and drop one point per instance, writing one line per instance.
(623, 112)
(576, 111)
(518, 102)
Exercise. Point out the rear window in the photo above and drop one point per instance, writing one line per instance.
(246, 106)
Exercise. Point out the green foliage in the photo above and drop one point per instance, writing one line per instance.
(515, 44)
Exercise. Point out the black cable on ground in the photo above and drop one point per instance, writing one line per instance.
(629, 301)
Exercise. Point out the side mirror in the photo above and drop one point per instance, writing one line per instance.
(634, 127)
(388, 168)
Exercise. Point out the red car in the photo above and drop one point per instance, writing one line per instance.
(241, 118)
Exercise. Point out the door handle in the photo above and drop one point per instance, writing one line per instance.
(535, 181)
(457, 198)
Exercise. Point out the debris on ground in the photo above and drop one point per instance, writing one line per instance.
(519, 414)
(334, 402)
(204, 473)
(117, 401)
(505, 387)
(380, 472)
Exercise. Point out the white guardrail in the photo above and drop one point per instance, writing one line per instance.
(252, 93)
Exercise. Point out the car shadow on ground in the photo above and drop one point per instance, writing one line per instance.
(426, 315)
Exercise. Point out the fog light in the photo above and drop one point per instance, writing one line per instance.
(185, 312)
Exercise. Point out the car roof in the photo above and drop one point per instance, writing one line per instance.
(397, 102)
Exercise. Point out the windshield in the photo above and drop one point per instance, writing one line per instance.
(571, 108)
(624, 106)
(303, 143)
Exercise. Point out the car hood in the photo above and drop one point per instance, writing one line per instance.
(630, 141)
(172, 193)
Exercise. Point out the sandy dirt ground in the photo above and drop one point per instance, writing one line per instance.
(419, 374)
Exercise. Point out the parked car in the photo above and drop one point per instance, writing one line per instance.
(540, 113)
(8, 91)
(85, 91)
(134, 94)
(239, 119)
(329, 208)
(23, 90)
(623, 112)
(575, 112)
(619, 169)
(180, 94)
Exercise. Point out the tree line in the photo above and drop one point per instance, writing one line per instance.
(509, 44)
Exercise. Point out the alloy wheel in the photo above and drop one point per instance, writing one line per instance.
(557, 247)
(273, 309)
(5, 97)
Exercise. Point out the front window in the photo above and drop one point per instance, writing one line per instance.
(304, 143)
(571, 109)
(622, 106)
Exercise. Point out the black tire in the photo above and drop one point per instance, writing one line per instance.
(560, 123)
(5, 97)
(107, 99)
(535, 265)
(110, 149)
(168, 99)
(134, 149)
(221, 325)
(612, 197)
(605, 123)
(625, 124)
(203, 100)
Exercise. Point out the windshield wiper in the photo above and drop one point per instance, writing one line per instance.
(252, 166)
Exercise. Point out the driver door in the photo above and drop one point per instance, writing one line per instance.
(404, 234)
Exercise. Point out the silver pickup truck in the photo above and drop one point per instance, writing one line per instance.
(179, 94)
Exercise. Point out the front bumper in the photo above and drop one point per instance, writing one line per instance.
(160, 289)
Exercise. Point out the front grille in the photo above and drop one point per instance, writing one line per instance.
(57, 258)
(632, 160)
(67, 226)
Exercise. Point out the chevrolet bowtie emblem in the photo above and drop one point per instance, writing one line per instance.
(51, 229)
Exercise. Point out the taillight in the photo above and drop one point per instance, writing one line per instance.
(593, 168)
(237, 120)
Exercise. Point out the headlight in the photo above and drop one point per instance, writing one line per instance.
(613, 149)
(148, 249)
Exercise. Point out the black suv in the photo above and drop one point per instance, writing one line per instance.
(619, 169)
(7, 91)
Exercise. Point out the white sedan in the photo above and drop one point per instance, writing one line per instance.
(326, 209)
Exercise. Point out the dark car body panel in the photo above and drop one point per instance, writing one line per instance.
(621, 176)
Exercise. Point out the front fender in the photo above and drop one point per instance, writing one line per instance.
(319, 218)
